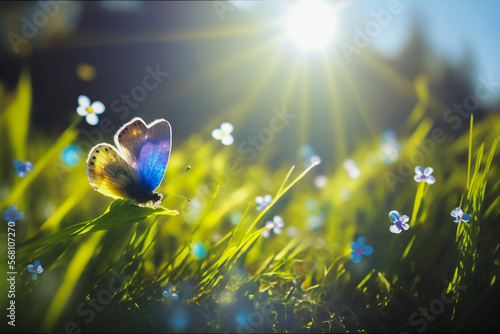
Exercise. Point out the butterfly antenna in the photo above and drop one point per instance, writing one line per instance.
(182, 196)
(187, 169)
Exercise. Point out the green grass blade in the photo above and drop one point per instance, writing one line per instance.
(17, 116)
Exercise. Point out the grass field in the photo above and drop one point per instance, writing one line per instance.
(107, 263)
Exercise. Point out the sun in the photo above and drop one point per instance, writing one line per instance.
(311, 24)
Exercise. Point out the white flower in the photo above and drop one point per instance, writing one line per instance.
(460, 216)
(263, 202)
(224, 133)
(90, 111)
(399, 222)
(276, 225)
(320, 181)
(352, 169)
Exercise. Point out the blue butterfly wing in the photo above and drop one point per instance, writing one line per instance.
(110, 174)
(147, 149)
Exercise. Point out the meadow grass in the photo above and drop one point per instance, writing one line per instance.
(211, 250)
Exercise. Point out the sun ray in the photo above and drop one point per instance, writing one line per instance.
(92, 40)
(304, 104)
(189, 83)
(357, 99)
(240, 109)
(290, 84)
(340, 139)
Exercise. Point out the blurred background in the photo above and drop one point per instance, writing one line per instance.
(235, 61)
(362, 86)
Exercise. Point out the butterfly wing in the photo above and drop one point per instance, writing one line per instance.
(146, 148)
(129, 139)
(109, 173)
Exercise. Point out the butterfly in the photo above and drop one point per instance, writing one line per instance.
(136, 168)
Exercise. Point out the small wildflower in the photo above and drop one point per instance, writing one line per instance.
(320, 181)
(276, 225)
(352, 169)
(263, 202)
(359, 249)
(169, 292)
(460, 216)
(23, 168)
(35, 269)
(12, 214)
(399, 222)
(224, 133)
(90, 111)
(424, 175)
(389, 147)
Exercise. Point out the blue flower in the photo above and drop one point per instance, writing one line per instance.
(460, 216)
(35, 269)
(399, 222)
(12, 215)
(23, 168)
(168, 292)
(276, 225)
(263, 202)
(424, 175)
(359, 249)
(90, 111)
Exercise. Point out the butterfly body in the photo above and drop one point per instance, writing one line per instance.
(136, 167)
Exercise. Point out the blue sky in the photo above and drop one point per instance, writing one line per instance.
(451, 26)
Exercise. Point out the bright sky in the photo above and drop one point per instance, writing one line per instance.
(451, 26)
